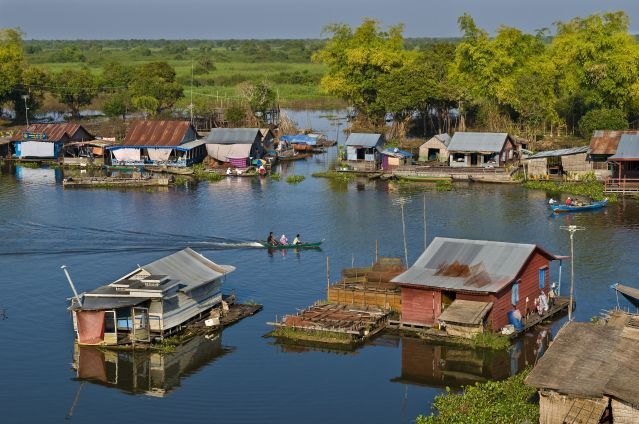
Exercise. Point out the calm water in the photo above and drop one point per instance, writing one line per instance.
(240, 376)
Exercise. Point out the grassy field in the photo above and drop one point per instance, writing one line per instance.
(295, 78)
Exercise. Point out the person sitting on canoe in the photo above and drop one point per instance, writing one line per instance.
(271, 239)
(568, 201)
(283, 240)
(551, 202)
(297, 240)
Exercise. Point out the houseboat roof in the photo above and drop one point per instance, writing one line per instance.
(186, 269)
(469, 265)
(591, 360)
(54, 132)
(477, 142)
(628, 148)
(366, 140)
(605, 142)
(158, 133)
(233, 135)
(560, 152)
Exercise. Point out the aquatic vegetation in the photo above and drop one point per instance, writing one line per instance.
(180, 181)
(311, 335)
(491, 340)
(342, 176)
(275, 176)
(444, 185)
(295, 179)
(507, 401)
(200, 172)
(32, 165)
(587, 188)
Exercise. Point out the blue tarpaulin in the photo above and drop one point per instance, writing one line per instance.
(300, 139)
(398, 153)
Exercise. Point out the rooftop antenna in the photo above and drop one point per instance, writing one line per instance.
(401, 202)
(75, 292)
(572, 229)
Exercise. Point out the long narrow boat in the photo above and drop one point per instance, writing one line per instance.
(629, 293)
(314, 245)
(574, 208)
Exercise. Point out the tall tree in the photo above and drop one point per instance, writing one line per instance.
(11, 62)
(598, 64)
(356, 61)
(157, 80)
(75, 88)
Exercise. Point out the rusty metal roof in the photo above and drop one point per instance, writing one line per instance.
(57, 132)
(605, 142)
(159, 133)
(469, 265)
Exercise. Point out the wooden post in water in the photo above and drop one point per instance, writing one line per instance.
(425, 233)
(376, 250)
(328, 277)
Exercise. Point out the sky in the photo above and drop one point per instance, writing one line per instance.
(215, 19)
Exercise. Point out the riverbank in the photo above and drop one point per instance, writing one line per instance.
(589, 188)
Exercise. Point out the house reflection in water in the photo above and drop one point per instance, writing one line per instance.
(433, 365)
(144, 372)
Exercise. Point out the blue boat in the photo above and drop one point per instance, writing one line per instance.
(559, 208)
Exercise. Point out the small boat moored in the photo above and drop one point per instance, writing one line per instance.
(560, 208)
(629, 293)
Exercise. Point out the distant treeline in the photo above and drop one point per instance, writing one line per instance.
(96, 52)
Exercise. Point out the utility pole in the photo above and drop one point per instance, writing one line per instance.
(572, 229)
(402, 201)
(25, 97)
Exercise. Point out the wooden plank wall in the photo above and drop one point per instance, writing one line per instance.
(420, 306)
(384, 300)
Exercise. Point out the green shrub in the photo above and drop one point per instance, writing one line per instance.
(602, 119)
(502, 402)
(295, 179)
(588, 187)
(444, 185)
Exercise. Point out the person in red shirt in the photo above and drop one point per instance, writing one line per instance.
(568, 201)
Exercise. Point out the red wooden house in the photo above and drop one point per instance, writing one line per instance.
(486, 279)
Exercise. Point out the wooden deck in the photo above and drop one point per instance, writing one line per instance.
(621, 185)
(561, 305)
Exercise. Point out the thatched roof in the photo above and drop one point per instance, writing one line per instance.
(589, 360)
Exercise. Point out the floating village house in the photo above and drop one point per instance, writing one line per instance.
(481, 149)
(238, 146)
(625, 161)
(589, 374)
(557, 163)
(363, 151)
(471, 285)
(45, 141)
(159, 143)
(153, 301)
(393, 158)
(603, 144)
(435, 149)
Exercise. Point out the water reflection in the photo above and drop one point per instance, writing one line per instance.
(148, 373)
(437, 365)
(38, 175)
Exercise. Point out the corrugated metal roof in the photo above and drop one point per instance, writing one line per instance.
(93, 303)
(56, 132)
(477, 142)
(364, 140)
(560, 152)
(189, 267)
(395, 152)
(605, 142)
(444, 138)
(470, 265)
(191, 144)
(158, 133)
(233, 135)
(628, 148)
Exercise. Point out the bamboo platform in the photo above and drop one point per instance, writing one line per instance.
(332, 323)
(115, 182)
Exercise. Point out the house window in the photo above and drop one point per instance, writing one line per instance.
(515, 293)
(542, 277)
